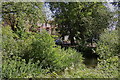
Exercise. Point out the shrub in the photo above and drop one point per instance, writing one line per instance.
(67, 58)
(108, 50)
(38, 47)
(108, 45)
(109, 68)
(50, 55)
(9, 43)
(17, 68)
(12, 44)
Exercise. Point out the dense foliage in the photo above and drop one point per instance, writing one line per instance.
(38, 56)
(80, 20)
(22, 16)
(37, 48)
(108, 49)
(28, 54)
(108, 45)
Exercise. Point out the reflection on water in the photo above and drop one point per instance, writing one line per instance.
(90, 62)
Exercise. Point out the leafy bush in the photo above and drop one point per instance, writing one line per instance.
(38, 47)
(50, 55)
(67, 58)
(17, 68)
(108, 50)
(9, 44)
(105, 69)
(13, 45)
(108, 45)
(109, 67)
(36, 55)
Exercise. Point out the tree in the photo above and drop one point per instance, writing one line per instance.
(81, 20)
(117, 7)
(21, 14)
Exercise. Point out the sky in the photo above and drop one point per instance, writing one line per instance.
(48, 12)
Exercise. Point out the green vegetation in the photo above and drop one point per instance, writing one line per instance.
(38, 56)
(35, 50)
(22, 16)
(80, 20)
(28, 53)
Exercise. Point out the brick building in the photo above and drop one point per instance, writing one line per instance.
(51, 29)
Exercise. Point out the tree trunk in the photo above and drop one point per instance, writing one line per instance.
(12, 27)
(91, 42)
(71, 39)
(62, 37)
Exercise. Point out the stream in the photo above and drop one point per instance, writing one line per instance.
(90, 62)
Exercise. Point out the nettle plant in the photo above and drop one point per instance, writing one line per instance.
(108, 45)
(108, 50)
(16, 67)
(44, 50)
(38, 47)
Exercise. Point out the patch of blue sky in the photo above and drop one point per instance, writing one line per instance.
(47, 11)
